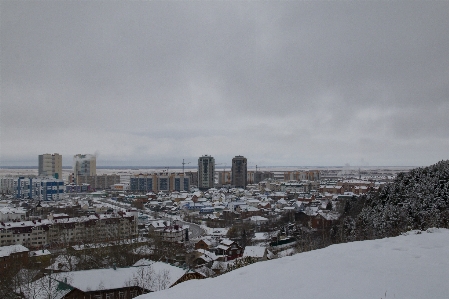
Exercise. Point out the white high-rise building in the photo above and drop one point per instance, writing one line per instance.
(50, 165)
(84, 165)
(206, 172)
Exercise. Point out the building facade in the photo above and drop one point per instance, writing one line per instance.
(42, 189)
(302, 175)
(255, 177)
(62, 231)
(7, 185)
(224, 177)
(50, 165)
(96, 182)
(206, 172)
(84, 165)
(239, 172)
(156, 182)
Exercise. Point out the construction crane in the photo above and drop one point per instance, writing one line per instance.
(184, 163)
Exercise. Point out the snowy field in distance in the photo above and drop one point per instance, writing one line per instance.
(408, 266)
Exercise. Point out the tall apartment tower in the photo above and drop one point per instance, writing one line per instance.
(50, 165)
(239, 172)
(84, 165)
(206, 172)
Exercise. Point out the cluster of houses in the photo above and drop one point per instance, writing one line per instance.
(28, 228)
(314, 203)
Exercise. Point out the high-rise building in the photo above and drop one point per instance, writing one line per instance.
(84, 165)
(239, 172)
(50, 165)
(206, 172)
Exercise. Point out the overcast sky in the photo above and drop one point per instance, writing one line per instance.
(291, 83)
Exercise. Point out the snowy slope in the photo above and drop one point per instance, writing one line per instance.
(408, 266)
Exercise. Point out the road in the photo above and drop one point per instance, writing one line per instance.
(195, 231)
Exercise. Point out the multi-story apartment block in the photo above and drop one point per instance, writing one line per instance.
(84, 165)
(155, 182)
(96, 182)
(143, 182)
(7, 185)
(43, 189)
(50, 165)
(206, 172)
(356, 186)
(298, 186)
(305, 175)
(61, 231)
(193, 176)
(255, 177)
(10, 214)
(239, 172)
(224, 177)
(179, 182)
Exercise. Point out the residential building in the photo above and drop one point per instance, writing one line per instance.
(13, 254)
(258, 253)
(7, 185)
(229, 249)
(84, 165)
(73, 188)
(143, 183)
(156, 182)
(301, 175)
(43, 189)
(239, 172)
(11, 214)
(50, 165)
(255, 177)
(97, 182)
(122, 283)
(61, 230)
(224, 177)
(206, 172)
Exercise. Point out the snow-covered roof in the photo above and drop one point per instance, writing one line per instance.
(40, 252)
(8, 250)
(254, 251)
(90, 280)
(11, 210)
(257, 218)
(226, 242)
(207, 255)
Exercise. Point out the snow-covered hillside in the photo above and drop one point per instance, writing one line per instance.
(415, 265)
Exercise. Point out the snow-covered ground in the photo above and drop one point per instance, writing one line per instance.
(415, 265)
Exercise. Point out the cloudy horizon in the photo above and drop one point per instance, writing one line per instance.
(281, 83)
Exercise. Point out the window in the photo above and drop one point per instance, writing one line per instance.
(121, 295)
(110, 296)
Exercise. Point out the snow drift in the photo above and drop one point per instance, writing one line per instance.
(414, 265)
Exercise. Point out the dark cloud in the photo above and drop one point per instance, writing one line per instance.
(286, 83)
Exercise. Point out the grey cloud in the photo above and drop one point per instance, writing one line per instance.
(330, 79)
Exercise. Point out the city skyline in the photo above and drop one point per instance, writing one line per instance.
(282, 83)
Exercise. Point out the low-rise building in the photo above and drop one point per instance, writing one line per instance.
(13, 254)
